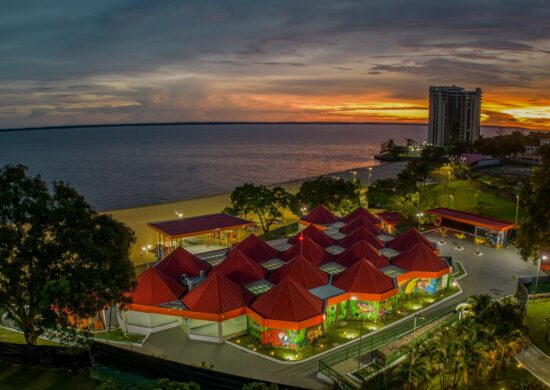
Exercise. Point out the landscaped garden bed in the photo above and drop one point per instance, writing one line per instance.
(116, 335)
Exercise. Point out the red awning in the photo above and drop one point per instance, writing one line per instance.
(154, 288)
(471, 219)
(409, 239)
(320, 215)
(257, 249)
(193, 226)
(419, 258)
(240, 268)
(288, 301)
(360, 222)
(359, 234)
(308, 249)
(217, 295)
(362, 250)
(361, 212)
(363, 277)
(315, 234)
(302, 271)
(180, 262)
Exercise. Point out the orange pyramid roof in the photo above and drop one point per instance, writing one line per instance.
(409, 239)
(360, 222)
(154, 287)
(321, 216)
(256, 248)
(419, 258)
(302, 271)
(362, 250)
(364, 277)
(315, 234)
(288, 301)
(217, 295)
(240, 268)
(363, 213)
(180, 262)
(308, 249)
(359, 234)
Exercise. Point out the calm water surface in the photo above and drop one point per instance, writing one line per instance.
(119, 167)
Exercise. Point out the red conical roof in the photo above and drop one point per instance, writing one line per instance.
(409, 239)
(364, 277)
(256, 248)
(315, 234)
(321, 216)
(308, 249)
(359, 234)
(419, 258)
(240, 268)
(288, 301)
(154, 287)
(302, 271)
(363, 213)
(217, 295)
(360, 222)
(180, 262)
(362, 250)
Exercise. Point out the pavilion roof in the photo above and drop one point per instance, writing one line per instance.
(359, 234)
(364, 277)
(217, 295)
(471, 219)
(256, 248)
(302, 271)
(419, 258)
(362, 250)
(320, 215)
(361, 212)
(315, 234)
(202, 224)
(360, 222)
(288, 301)
(240, 268)
(180, 262)
(154, 288)
(409, 239)
(308, 249)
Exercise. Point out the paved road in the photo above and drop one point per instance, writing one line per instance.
(492, 273)
(537, 363)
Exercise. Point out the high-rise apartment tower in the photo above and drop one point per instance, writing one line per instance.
(454, 115)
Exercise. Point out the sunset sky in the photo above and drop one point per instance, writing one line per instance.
(67, 62)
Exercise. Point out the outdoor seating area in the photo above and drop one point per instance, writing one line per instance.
(332, 271)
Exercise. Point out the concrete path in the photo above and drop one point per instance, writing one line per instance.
(493, 273)
(537, 363)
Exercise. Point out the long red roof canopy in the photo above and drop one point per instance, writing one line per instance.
(185, 227)
(471, 219)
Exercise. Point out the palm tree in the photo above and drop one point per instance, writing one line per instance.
(417, 368)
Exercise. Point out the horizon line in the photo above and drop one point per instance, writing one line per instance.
(218, 123)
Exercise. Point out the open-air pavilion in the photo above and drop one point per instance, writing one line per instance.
(199, 234)
(495, 231)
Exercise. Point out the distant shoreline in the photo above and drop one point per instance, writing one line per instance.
(68, 127)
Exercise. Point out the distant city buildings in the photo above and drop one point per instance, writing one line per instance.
(454, 115)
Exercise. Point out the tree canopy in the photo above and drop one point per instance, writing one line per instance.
(267, 204)
(60, 261)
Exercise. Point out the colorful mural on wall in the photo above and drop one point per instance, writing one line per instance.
(371, 310)
(283, 338)
(424, 285)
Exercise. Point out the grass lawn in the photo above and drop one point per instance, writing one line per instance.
(118, 335)
(15, 377)
(11, 336)
(464, 199)
(536, 311)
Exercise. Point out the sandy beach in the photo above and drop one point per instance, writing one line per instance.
(137, 218)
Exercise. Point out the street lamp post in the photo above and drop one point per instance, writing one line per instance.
(517, 209)
(419, 216)
(353, 173)
(416, 316)
(451, 200)
(543, 257)
(370, 174)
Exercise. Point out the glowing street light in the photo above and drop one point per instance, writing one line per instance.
(354, 173)
(179, 214)
(517, 209)
(370, 174)
(451, 200)
(419, 216)
(543, 257)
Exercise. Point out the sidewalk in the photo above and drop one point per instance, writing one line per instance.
(537, 363)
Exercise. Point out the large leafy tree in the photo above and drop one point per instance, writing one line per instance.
(533, 236)
(267, 204)
(60, 261)
(337, 194)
